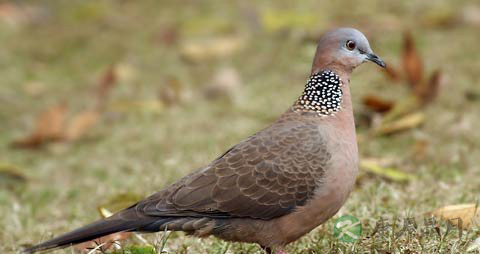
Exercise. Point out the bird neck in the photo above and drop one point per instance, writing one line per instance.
(326, 60)
(323, 94)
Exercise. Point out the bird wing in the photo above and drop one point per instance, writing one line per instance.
(266, 176)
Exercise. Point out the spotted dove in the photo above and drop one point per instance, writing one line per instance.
(273, 187)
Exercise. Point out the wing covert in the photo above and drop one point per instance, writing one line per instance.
(266, 176)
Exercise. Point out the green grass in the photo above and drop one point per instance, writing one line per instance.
(139, 150)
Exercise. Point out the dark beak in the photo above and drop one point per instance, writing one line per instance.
(374, 58)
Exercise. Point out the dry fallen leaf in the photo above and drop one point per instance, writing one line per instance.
(125, 72)
(402, 107)
(168, 35)
(34, 88)
(18, 14)
(80, 124)
(424, 90)
(197, 51)
(11, 177)
(403, 113)
(225, 83)
(404, 123)
(49, 127)
(144, 106)
(432, 87)
(389, 173)
(468, 213)
(52, 127)
(104, 87)
(412, 63)
(103, 243)
(107, 209)
(392, 73)
(117, 203)
(377, 104)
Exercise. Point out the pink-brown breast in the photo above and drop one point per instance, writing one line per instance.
(332, 192)
(339, 177)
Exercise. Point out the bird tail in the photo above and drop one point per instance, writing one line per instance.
(126, 220)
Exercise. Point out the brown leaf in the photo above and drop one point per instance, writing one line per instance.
(430, 91)
(412, 63)
(105, 85)
(168, 35)
(392, 73)
(106, 242)
(468, 214)
(377, 104)
(80, 124)
(49, 127)
(16, 14)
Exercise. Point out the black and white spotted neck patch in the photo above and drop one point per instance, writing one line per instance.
(322, 94)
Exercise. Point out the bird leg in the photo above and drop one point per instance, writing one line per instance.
(269, 250)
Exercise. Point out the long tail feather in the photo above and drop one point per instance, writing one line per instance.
(116, 223)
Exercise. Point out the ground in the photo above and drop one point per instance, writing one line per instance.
(158, 125)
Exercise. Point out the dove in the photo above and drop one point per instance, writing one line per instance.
(273, 187)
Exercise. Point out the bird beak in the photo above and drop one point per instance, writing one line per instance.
(374, 58)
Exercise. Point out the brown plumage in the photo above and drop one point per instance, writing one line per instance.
(276, 185)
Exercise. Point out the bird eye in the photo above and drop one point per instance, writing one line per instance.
(350, 45)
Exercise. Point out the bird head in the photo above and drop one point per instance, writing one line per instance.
(344, 49)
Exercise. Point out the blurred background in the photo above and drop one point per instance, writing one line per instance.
(105, 102)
